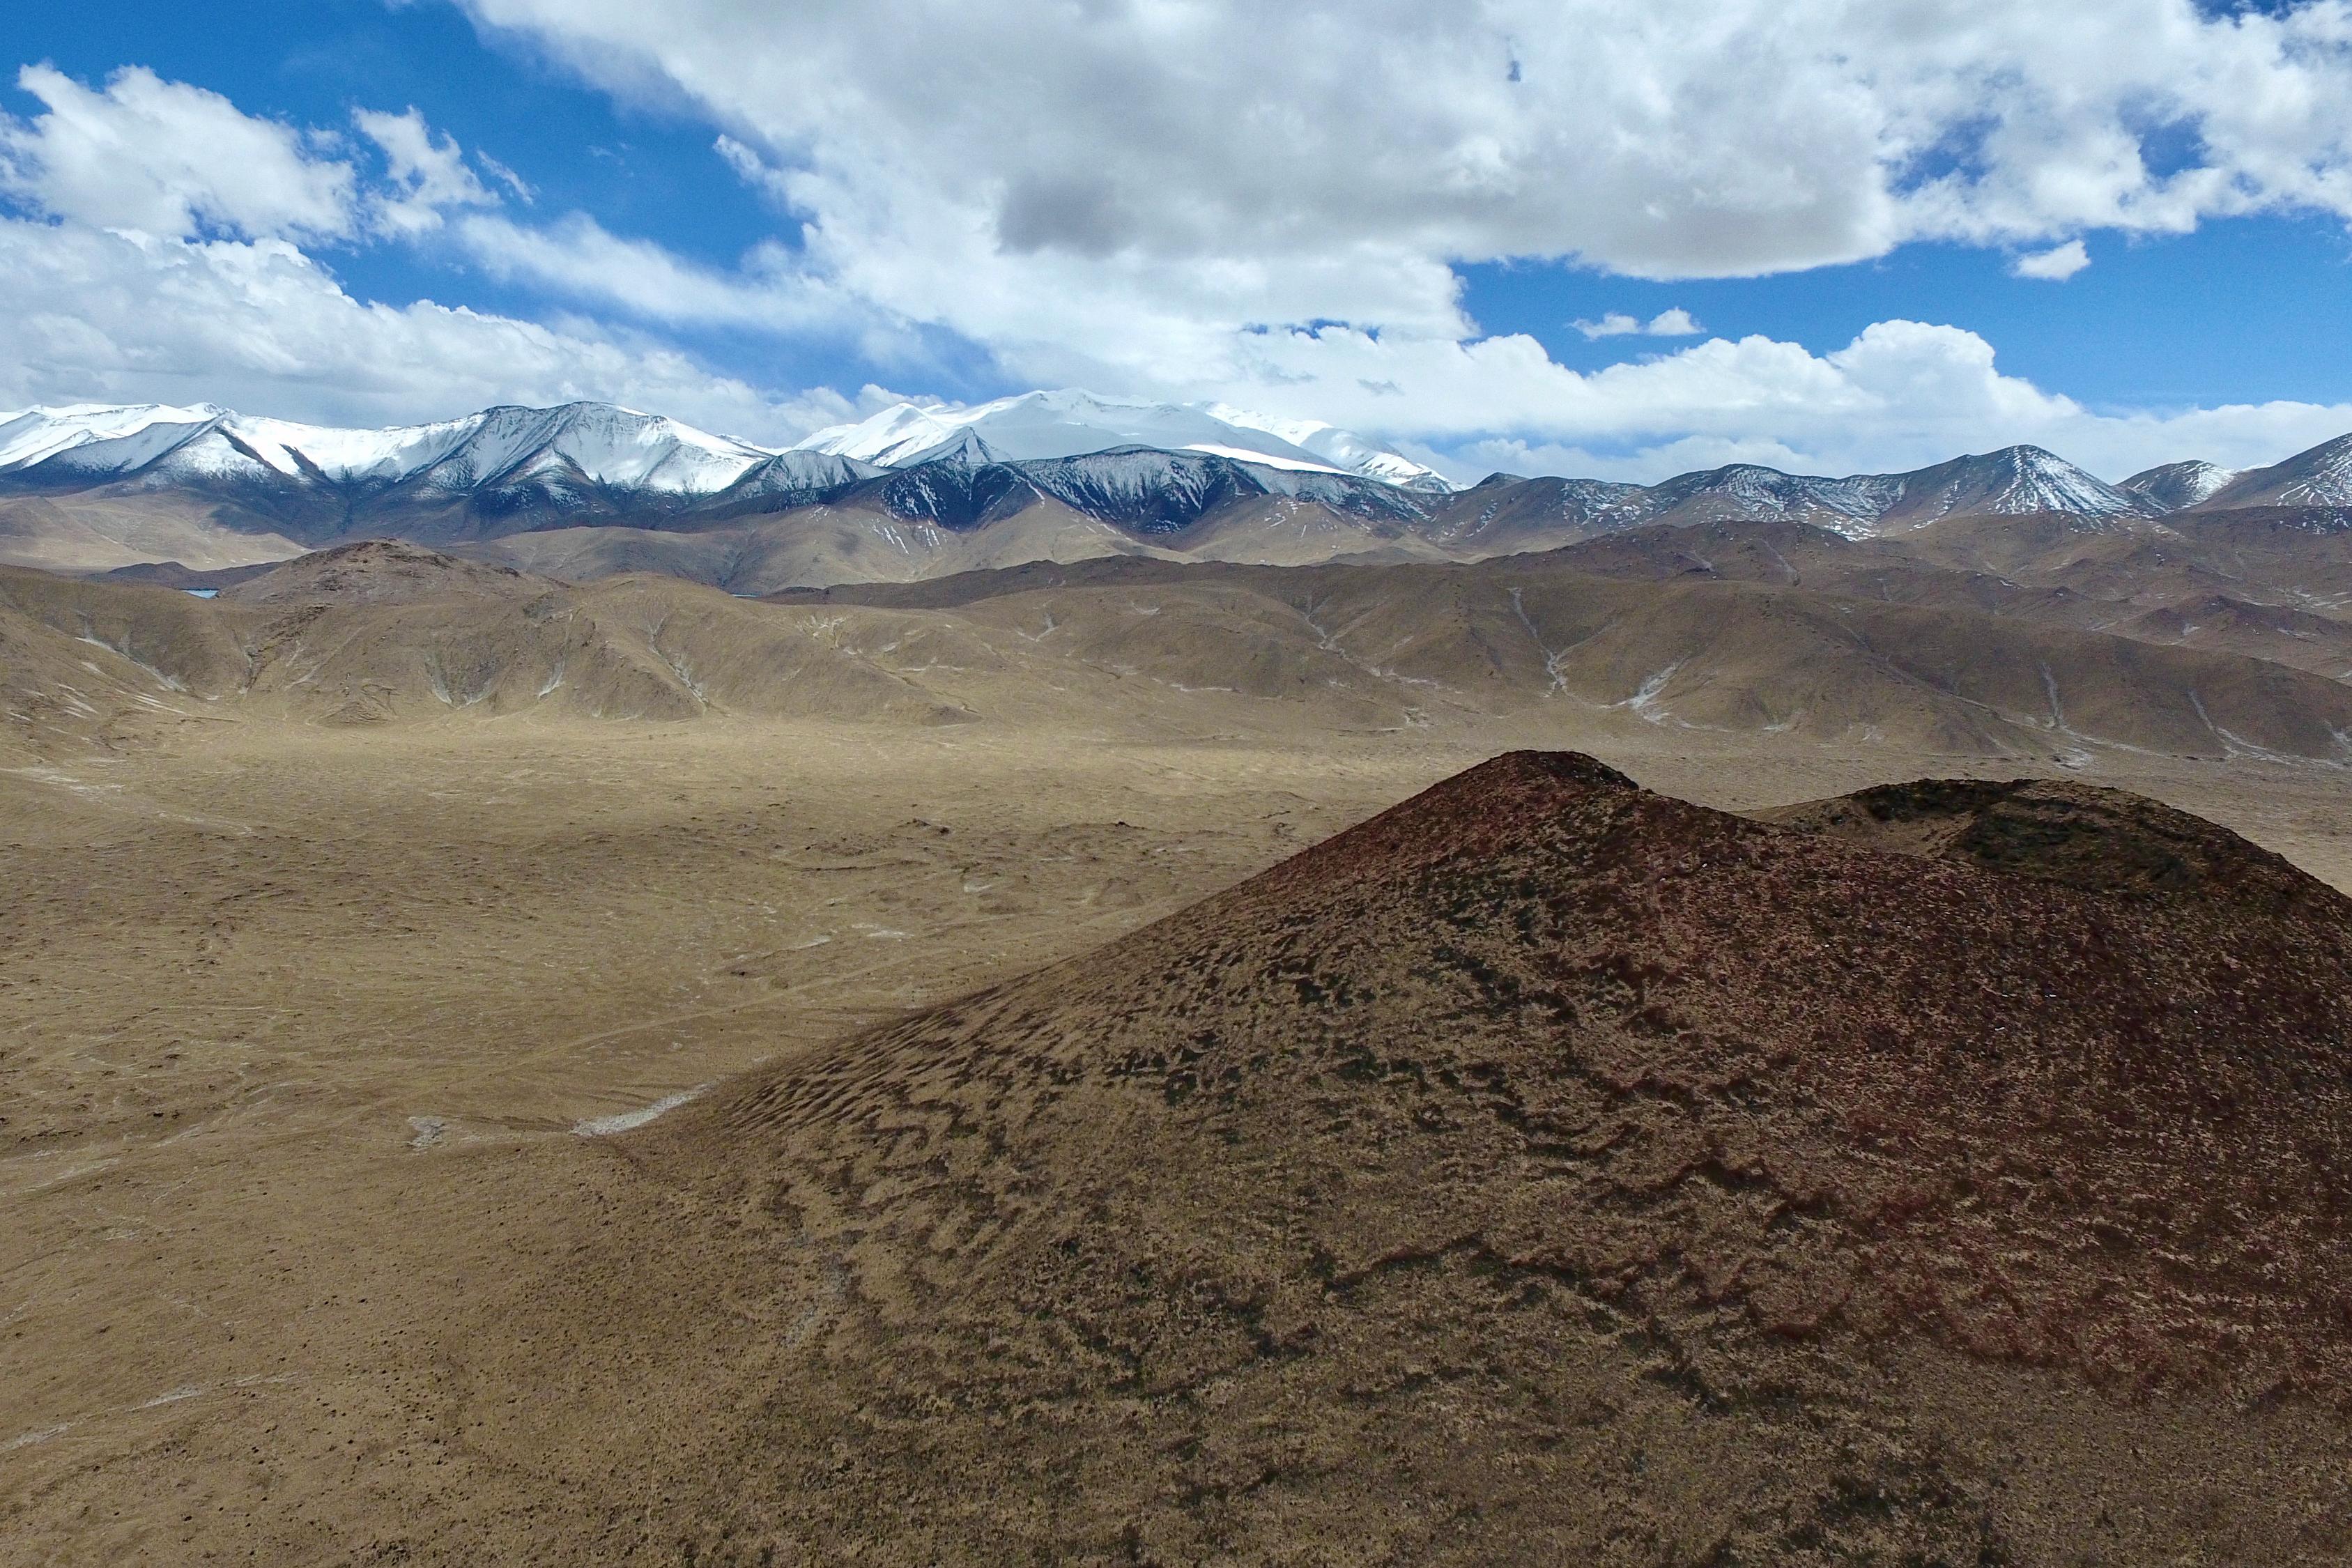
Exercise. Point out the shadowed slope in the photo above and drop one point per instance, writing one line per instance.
(383, 571)
(2097, 840)
(1547, 1170)
(1689, 654)
(381, 631)
(385, 631)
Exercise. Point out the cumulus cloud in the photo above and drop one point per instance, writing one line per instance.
(2055, 264)
(1615, 325)
(1665, 138)
(1213, 202)
(428, 174)
(1149, 198)
(161, 257)
(1901, 394)
(256, 324)
(577, 256)
(1675, 323)
(167, 159)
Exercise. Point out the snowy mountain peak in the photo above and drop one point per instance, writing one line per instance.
(964, 447)
(1036, 425)
(1146, 467)
(1343, 449)
(2173, 486)
(608, 444)
(887, 439)
(2320, 477)
(157, 444)
(95, 436)
(2013, 481)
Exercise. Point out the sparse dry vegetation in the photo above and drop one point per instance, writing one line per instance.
(1615, 1180)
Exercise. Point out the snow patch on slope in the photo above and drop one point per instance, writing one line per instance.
(598, 442)
(2037, 481)
(1343, 449)
(2320, 477)
(1036, 425)
(100, 436)
(2173, 487)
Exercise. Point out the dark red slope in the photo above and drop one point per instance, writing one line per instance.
(1543, 1094)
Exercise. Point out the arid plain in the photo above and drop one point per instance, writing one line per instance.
(330, 996)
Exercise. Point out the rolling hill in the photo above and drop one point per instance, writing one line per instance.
(387, 632)
(1547, 1170)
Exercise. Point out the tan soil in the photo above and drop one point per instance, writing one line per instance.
(303, 1260)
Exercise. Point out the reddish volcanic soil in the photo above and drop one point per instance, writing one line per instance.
(1550, 1170)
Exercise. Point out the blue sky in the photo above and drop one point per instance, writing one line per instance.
(2237, 311)
(640, 167)
(847, 217)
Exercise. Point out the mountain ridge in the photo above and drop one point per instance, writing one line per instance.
(2320, 476)
(1035, 425)
(377, 629)
(593, 485)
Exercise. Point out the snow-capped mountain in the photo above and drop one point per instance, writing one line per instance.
(795, 479)
(1081, 473)
(1140, 489)
(96, 437)
(593, 442)
(2010, 483)
(2320, 477)
(1343, 449)
(505, 470)
(1036, 425)
(1849, 505)
(2173, 486)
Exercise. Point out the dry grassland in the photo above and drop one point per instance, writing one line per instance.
(301, 1028)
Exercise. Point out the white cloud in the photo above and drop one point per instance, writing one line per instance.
(257, 325)
(175, 161)
(1615, 325)
(1656, 137)
(161, 263)
(1176, 259)
(1901, 394)
(2055, 264)
(577, 257)
(167, 159)
(426, 175)
(1174, 186)
(506, 177)
(752, 168)
(1675, 323)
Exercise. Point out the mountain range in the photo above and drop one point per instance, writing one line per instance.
(1780, 634)
(1042, 425)
(586, 490)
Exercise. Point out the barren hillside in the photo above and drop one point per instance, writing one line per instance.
(1547, 1170)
